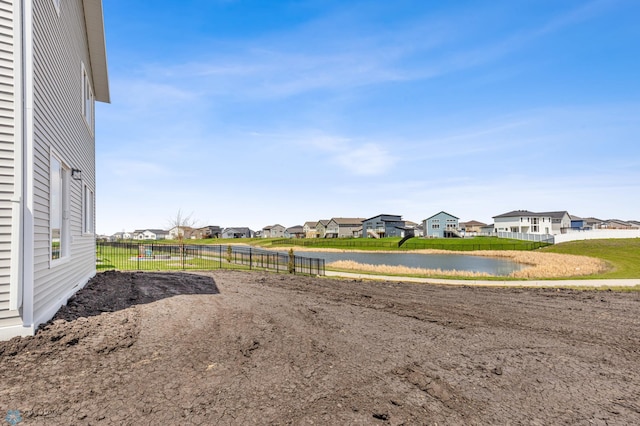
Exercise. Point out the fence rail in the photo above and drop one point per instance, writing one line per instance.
(154, 257)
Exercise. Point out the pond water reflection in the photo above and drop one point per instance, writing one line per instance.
(447, 262)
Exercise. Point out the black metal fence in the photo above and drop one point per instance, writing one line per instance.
(162, 257)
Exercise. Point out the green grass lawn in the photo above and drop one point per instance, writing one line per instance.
(622, 254)
(455, 244)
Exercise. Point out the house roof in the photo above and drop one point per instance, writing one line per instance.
(311, 224)
(94, 22)
(448, 214)
(296, 228)
(388, 215)
(155, 231)
(621, 222)
(348, 221)
(527, 213)
(473, 223)
(241, 229)
(323, 222)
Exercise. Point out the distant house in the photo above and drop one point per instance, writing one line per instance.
(273, 231)
(342, 227)
(441, 225)
(122, 236)
(180, 232)
(593, 222)
(472, 227)
(528, 222)
(321, 228)
(150, 234)
(488, 230)
(579, 224)
(240, 232)
(53, 68)
(309, 229)
(206, 232)
(418, 231)
(618, 224)
(383, 225)
(296, 231)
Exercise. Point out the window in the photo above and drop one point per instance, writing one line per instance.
(57, 209)
(87, 210)
(87, 99)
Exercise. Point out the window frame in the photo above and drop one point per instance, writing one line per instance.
(88, 100)
(88, 209)
(61, 184)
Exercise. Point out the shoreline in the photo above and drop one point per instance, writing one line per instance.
(537, 265)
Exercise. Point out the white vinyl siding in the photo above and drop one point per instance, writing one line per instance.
(7, 157)
(59, 50)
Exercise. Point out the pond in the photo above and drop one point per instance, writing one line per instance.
(446, 262)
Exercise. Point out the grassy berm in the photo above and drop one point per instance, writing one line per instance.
(623, 255)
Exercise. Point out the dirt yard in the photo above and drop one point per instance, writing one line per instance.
(239, 348)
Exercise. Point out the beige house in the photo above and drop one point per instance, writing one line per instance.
(309, 229)
(53, 67)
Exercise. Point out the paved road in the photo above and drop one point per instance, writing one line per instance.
(533, 283)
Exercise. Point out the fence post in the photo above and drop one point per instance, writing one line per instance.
(250, 258)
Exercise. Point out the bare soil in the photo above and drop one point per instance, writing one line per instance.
(231, 347)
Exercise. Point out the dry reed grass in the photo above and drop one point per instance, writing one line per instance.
(401, 270)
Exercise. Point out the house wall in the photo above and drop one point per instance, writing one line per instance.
(596, 234)
(525, 224)
(436, 225)
(277, 231)
(59, 50)
(384, 223)
(9, 131)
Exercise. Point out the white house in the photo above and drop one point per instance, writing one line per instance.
(53, 67)
(150, 234)
(526, 222)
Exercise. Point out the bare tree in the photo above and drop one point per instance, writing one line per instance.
(183, 225)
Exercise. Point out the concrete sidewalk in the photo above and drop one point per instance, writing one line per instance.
(534, 283)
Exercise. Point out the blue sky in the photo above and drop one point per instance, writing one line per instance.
(251, 113)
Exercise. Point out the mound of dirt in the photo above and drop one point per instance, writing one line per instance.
(230, 347)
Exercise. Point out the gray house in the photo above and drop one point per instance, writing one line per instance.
(273, 231)
(296, 231)
(342, 227)
(241, 232)
(53, 67)
(383, 225)
(321, 228)
(441, 225)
